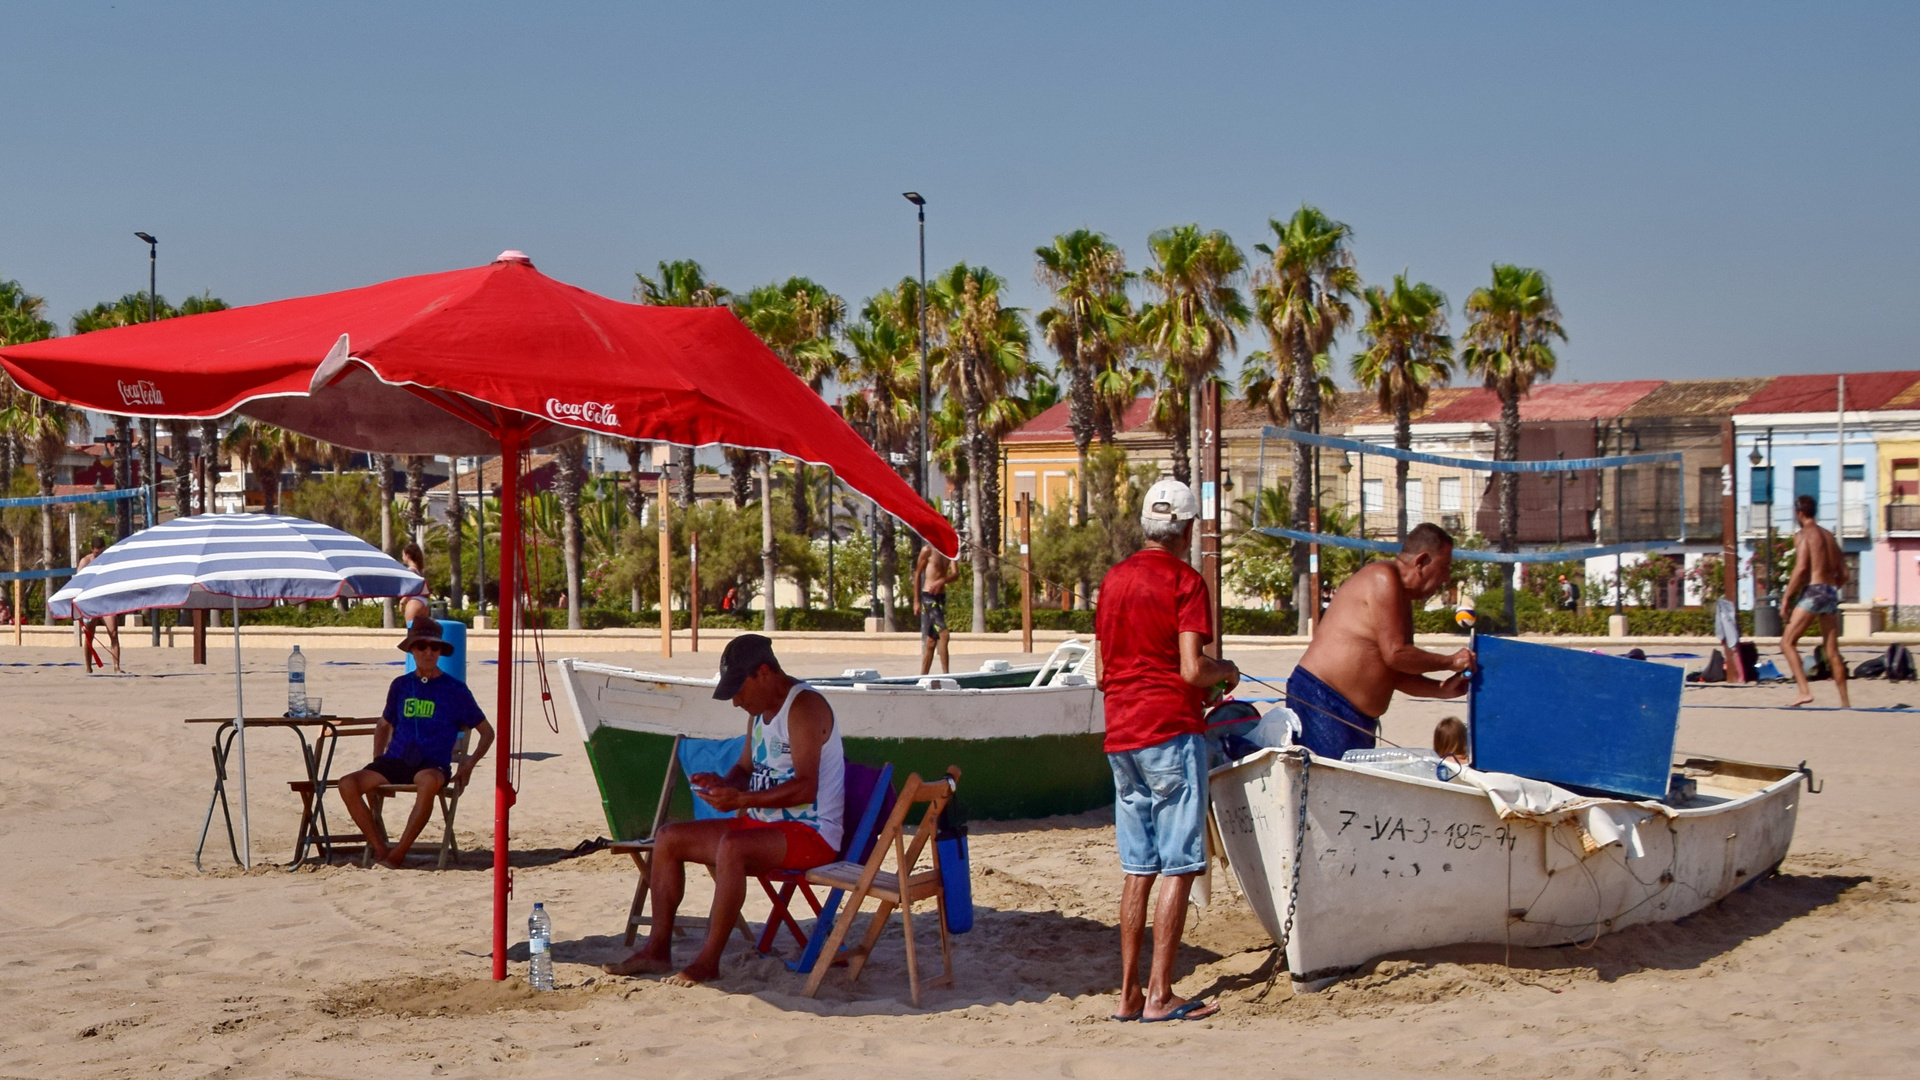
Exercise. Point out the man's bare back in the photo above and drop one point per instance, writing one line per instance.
(1819, 572)
(1363, 646)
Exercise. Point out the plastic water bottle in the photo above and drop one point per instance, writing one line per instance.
(296, 683)
(1407, 762)
(540, 949)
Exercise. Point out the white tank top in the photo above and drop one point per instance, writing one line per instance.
(773, 766)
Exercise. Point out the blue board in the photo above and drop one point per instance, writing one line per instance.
(1576, 719)
(454, 663)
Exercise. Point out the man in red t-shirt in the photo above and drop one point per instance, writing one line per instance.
(1152, 619)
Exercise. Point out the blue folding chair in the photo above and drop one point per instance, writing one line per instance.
(688, 757)
(868, 787)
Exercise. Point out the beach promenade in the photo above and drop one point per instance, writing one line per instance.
(126, 962)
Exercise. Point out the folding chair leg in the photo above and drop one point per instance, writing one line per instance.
(448, 847)
(639, 909)
(946, 944)
(832, 948)
(913, 963)
(858, 960)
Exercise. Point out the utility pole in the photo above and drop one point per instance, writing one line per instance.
(1729, 538)
(1026, 573)
(666, 572)
(1210, 507)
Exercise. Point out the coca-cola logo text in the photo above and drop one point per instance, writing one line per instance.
(140, 393)
(597, 413)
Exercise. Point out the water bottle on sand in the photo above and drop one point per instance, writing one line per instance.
(296, 683)
(539, 949)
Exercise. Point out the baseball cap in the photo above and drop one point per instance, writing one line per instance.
(739, 660)
(1169, 500)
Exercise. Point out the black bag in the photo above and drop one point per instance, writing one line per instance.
(1750, 660)
(1871, 668)
(1716, 668)
(1899, 664)
(1819, 669)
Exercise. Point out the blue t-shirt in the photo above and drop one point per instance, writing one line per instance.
(427, 717)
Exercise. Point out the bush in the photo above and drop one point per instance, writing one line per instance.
(1236, 620)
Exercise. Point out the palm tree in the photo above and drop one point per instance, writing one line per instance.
(1086, 271)
(23, 318)
(797, 318)
(417, 498)
(985, 357)
(569, 475)
(267, 450)
(1408, 353)
(885, 372)
(681, 283)
(1302, 295)
(43, 427)
(1509, 345)
(1190, 325)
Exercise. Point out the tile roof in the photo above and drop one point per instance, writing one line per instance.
(1052, 423)
(1695, 397)
(1817, 393)
(1549, 401)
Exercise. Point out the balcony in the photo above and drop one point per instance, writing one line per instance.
(1903, 518)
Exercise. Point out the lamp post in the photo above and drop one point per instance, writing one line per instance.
(147, 427)
(926, 383)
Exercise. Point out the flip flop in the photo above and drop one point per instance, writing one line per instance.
(1118, 1019)
(1184, 1012)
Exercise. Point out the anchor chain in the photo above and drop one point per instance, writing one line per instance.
(1299, 850)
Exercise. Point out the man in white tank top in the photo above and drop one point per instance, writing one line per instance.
(787, 795)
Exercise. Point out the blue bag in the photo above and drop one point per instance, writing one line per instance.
(956, 870)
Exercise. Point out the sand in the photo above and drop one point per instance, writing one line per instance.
(124, 961)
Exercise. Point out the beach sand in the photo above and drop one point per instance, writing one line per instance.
(124, 961)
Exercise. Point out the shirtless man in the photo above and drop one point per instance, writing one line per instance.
(1816, 556)
(1363, 649)
(931, 573)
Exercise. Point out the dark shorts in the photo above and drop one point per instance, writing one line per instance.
(1819, 600)
(1322, 710)
(399, 772)
(933, 615)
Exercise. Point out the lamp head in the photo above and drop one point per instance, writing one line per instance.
(914, 197)
(146, 238)
(1754, 458)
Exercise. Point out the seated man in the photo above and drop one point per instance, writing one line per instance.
(426, 711)
(1362, 649)
(787, 791)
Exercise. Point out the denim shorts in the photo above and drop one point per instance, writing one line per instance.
(1160, 806)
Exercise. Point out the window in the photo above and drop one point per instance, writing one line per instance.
(1373, 496)
(1449, 494)
(1416, 502)
(1806, 481)
(1906, 479)
(1761, 482)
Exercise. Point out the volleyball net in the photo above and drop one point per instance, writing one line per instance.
(1570, 507)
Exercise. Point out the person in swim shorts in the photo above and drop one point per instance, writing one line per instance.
(932, 572)
(787, 794)
(1818, 573)
(1362, 649)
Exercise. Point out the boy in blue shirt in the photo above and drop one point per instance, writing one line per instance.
(426, 711)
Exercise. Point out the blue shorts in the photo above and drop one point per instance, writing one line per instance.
(1329, 724)
(1160, 806)
(1819, 600)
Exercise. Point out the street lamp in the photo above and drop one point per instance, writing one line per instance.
(147, 426)
(926, 470)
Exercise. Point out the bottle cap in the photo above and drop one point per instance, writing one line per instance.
(539, 907)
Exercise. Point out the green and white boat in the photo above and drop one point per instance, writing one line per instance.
(1028, 750)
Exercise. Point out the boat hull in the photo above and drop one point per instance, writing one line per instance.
(1026, 751)
(1392, 863)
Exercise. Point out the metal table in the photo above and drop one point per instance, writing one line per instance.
(317, 765)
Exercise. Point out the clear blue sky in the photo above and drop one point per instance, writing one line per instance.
(1714, 189)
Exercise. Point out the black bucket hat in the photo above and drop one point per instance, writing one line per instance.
(426, 630)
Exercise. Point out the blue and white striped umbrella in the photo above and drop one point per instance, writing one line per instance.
(229, 560)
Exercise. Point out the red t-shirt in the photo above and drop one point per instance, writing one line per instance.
(1145, 604)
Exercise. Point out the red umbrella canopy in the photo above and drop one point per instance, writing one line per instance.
(445, 363)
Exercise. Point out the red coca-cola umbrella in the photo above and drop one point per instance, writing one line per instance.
(494, 359)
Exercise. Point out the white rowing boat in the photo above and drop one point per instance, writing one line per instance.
(1388, 863)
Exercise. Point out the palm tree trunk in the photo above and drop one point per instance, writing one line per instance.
(568, 478)
(1195, 440)
(417, 497)
(770, 619)
(384, 464)
(802, 526)
(49, 455)
(1304, 415)
(210, 455)
(123, 473)
(993, 519)
(976, 518)
(182, 469)
(740, 475)
(636, 503)
(1080, 412)
(683, 464)
(1402, 440)
(889, 570)
(456, 517)
(1509, 450)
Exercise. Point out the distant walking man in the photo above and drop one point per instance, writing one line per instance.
(112, 623)
(931, 573)
(1152, 619)
(1816, 556)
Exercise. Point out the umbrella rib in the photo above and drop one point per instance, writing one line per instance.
(458, 406)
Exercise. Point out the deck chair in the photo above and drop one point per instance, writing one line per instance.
(902, 887)
(449, 800)
(869, 799)
(686, 757)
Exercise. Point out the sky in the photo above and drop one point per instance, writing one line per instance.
(1714, 190)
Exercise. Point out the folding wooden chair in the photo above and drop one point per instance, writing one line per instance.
(901, 887)
(869, 798)
(641, 850)
(448, 798)
(313, 815)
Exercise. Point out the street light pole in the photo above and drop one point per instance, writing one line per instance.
(926, 377)
(147, 426)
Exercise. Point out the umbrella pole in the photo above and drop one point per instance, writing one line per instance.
(240, 726)
(508, 611)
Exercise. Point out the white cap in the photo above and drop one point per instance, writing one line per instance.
(513, 256)
(1169, 500)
